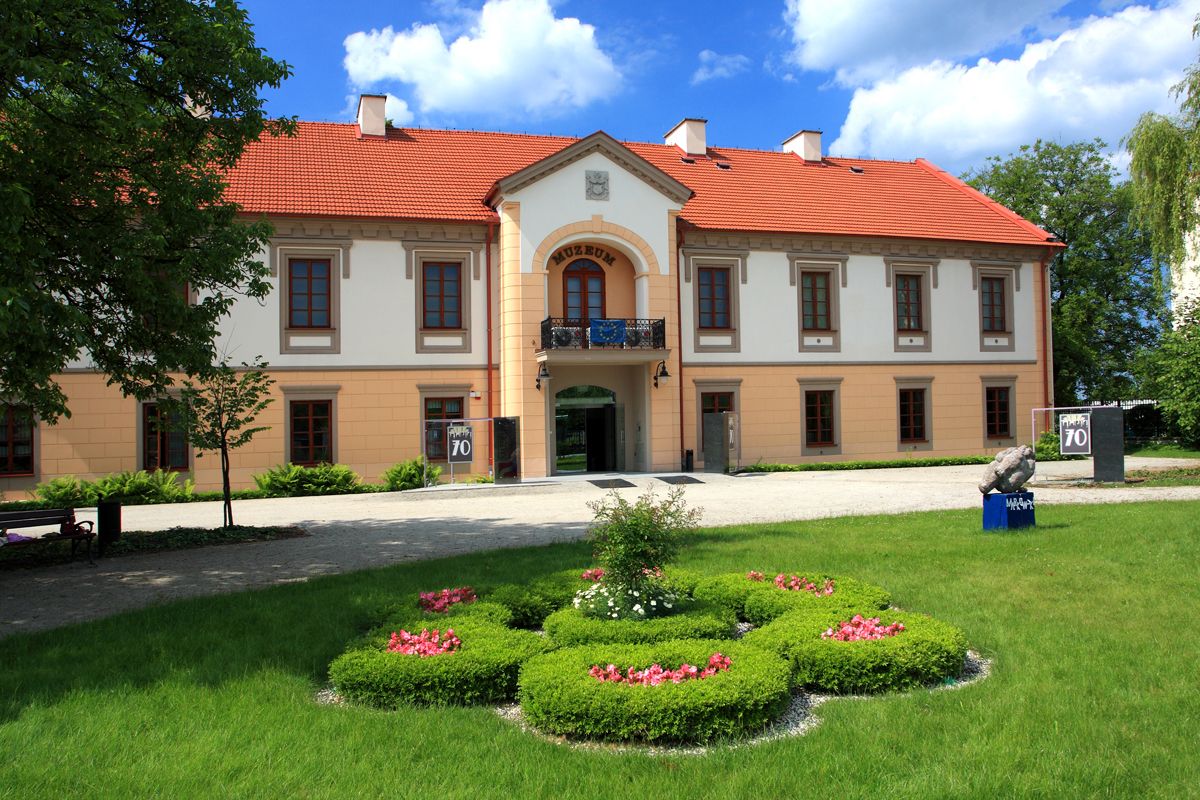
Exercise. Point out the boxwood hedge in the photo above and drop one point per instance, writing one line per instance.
(925, 652)
(401, 612)
(848, 594)
(569, 626)
(483, 670)
(559, 696)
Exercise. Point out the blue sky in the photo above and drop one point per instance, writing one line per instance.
(949, 80)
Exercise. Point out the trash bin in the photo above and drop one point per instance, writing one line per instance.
(108, 523)
(689, 461)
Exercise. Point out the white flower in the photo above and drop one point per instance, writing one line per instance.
(653, 602)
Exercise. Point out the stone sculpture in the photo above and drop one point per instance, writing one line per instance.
(1009, 471)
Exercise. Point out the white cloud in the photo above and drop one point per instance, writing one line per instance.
(516, 57)
(714, 65)
(1095, 79)
(397, 111)
(866, 40)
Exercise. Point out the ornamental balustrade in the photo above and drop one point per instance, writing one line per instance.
(559, 333)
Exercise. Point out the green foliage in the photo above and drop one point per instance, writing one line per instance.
(66, 492)
(730, 591)
(608, 601)
(848, 594)
(900, 463)
(149, 542)
(1049, 448)
(926, 652)
(1107, 289)
(1164, 152)
(630, 538)
(416, 473)
(406, 611)
(558, 695)
(293, 480)
(531, 603)
(143, 487)
(483, 670)
(112, 189)
(1172, 374)
(569, 626)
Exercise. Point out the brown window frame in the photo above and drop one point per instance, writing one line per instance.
(726, 274)
(294, 430)
(582, 268)
(8, 431)
(443, 446)
(156, 441)
(905, 302)
(807, 301)
(992, 406)
(716, 400)
(913, 423)
(814, 424)
(440, 295)
(993, 297)
(292, 324)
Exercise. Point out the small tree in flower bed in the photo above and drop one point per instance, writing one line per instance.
(424, 644)
(439, 602)
(632, 543)
(859, 629)
(655, 674)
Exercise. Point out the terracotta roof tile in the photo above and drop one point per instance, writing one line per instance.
(328, 170)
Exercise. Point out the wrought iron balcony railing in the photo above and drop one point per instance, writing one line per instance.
(604, 334)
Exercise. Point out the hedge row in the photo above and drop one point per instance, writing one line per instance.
(568, 626)
(558, 694)
(760, 602)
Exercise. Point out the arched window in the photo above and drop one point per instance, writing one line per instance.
(583, 290)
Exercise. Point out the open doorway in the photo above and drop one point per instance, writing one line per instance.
(587, 421)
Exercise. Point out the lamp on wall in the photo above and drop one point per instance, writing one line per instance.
(543, 375)
(661, 374)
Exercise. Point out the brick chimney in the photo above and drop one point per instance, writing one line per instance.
(688, 136)
(371, 117)
(806, 144)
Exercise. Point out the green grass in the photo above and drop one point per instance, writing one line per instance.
(1090, 620)
(1178, 476)
(39, 554)
(1163, 450)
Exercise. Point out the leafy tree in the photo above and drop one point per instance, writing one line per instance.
(1165, 167)
(216, 414)
(1172, 373)
(118, 120)
(1107, 291)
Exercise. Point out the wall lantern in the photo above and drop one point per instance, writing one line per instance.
(543, 375)
(661, 374)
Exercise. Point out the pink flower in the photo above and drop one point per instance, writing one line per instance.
(439, 602)
(593, 575)
(655, 674)
(424, 644)
(859, 629)
(799, 583)
(755, 576)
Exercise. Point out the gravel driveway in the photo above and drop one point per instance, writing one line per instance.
(359, 531)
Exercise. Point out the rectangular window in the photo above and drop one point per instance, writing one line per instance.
(716, 402)
(311, 431)
(992, 296)
(996, 411)
(908, 303)
(16, 441)
(439, 413)
(912, 415)
(815, 300)
(818, 418)
(713, 285)
(163, 447)
(442, 289)
(309, 293)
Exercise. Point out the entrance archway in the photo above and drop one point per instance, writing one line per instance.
(587, 430)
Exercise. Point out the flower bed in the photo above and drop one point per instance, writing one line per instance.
(531, 603)
(569, 626)
(759, 598)
(654, 674)
(482, 670)
(925, 651)
(425, 644)
(558, 693)
(440, 601)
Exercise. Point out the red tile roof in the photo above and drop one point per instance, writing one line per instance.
(328, 170)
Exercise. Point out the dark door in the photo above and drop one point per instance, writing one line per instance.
(600, 432)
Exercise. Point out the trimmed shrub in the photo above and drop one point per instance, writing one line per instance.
(393, 613)
(483, 670)
(849, 594)
(559, 696)
(531, 603)
(681, 582)
(415, 473)
(927, 651)
(569, 626)
(730, 591)
(293, 480)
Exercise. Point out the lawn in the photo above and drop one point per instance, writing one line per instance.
(1164, 450)
(1090, 620)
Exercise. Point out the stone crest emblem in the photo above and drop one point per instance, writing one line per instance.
(596, 184)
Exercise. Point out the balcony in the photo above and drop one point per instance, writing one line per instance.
(604, 334)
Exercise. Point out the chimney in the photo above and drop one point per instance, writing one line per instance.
(806, 144)
(371, 118)
(688, 136)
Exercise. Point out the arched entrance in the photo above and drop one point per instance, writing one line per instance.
(587, 424)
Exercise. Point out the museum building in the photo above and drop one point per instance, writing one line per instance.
(611, 296)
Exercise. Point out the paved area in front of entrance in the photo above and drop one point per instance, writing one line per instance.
(352, 532)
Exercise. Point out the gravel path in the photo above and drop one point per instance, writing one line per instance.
(359, 531)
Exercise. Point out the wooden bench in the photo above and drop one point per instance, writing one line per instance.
(64, 518)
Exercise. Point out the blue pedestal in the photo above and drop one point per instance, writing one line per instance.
(1013, 510)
